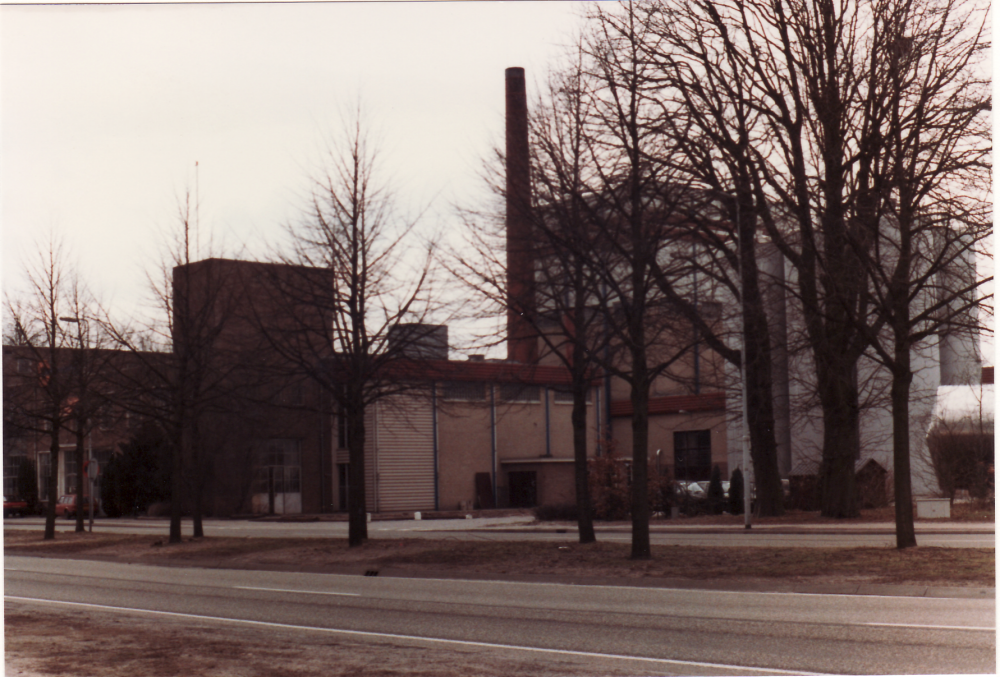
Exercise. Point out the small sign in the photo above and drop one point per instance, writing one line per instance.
(91, 469)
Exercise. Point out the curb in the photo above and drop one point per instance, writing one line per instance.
(879, 531)
(777, 587)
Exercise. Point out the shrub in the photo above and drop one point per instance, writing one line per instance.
(556, 513)
(27, 484)
(138, 475)
(716, 495)
(736, 492)
(609, 486)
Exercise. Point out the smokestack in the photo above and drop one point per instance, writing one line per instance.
(522, 345)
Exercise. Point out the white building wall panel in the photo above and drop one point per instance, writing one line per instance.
(405, 454)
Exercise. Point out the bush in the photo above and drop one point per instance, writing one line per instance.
(736, 492)
(716, 495)
(137, 476)
(609, 486)
(27, 484)
(556, 513)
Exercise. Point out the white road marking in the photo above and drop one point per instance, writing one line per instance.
(932, 627)
(417, 638)
(300, 592)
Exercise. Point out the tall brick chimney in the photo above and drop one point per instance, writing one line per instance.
(522, 345)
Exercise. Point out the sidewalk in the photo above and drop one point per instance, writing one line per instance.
(524, 521)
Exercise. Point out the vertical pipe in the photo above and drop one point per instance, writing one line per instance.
(548, 424)
(434, 435)
(493, 443)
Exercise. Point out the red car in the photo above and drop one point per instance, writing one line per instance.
(14, 507)
(67, 506)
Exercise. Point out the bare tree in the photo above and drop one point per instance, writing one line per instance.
(633, 199)
(769, 87)
(44, 403)
(87, 371)
(561, 308)
(179, 371)
(925, 151)
(824, 122)
(713, 123)
(349, 301)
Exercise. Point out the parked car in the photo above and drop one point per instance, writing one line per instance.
(703, 489)
(14, 507)
(66, 507)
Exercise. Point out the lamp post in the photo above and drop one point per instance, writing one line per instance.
(83, 331)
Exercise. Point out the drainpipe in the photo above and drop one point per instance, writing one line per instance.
(375, 474)
(493, 442)
(548, 426)
(434, 435)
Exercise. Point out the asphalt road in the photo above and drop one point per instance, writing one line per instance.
(949, 535)
(668, 631)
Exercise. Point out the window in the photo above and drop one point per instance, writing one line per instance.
(69, 458)
(467, 391)
(341, 427)
(278, 464)
(344, 485)
(25, 365)
(518, 392)
(693, 455)
(11, 471)
(564, 394)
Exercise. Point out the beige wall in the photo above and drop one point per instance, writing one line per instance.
(464, 447)
(661, 436)
(463, 450)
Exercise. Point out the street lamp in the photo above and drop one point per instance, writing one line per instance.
(83, 330)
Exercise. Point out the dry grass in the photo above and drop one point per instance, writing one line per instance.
(960, 512)
(916, 566)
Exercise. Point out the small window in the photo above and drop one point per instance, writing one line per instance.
(25, 365)
(693, 455)
(518, 392)
(564, 394)
(278, 464)
(467, 391)
(341, 427)
(69, 461)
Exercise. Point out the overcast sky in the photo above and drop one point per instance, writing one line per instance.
(106, 109)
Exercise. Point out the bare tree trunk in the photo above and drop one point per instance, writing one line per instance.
(838, 394)
(50, 511)
(198, 482)
(640, 466)
(584, 518)
(176, 484)
(357, 513)
(79, 453)
(905, 533)
(757, 372)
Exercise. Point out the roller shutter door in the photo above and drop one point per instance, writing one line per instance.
(405, 454)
